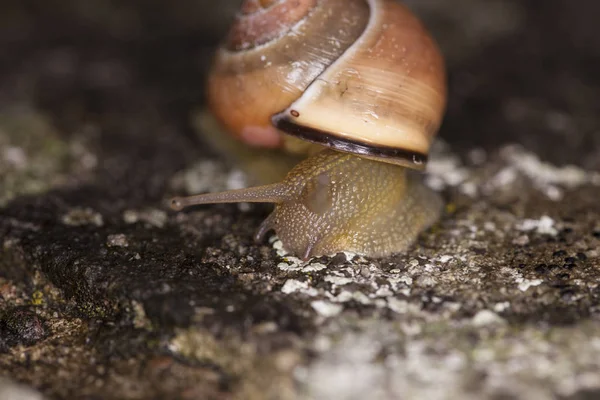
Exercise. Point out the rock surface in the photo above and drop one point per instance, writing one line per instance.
(106, 294)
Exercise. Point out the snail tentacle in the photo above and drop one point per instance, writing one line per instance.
(274, 193)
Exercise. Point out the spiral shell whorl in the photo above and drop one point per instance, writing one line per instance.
(359, 76)
(247, 87)
(261, 21)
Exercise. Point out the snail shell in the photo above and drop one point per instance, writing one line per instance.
(358, 76)
(361, 77)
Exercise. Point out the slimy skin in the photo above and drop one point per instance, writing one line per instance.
(333, 202)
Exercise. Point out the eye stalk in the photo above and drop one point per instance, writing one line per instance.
(275, 193)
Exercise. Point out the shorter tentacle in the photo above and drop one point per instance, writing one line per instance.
(265, 226)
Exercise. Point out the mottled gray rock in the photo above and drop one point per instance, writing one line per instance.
(104, 293)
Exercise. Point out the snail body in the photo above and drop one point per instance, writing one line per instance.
(359, 78)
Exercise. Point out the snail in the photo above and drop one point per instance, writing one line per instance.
(357, 85)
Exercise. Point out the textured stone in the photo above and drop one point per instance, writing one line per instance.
(106, 293)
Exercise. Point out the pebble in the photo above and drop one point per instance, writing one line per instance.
(23, 326)
(338, 280)
(153, 217)
(521, 240)
(526, 284)
(326, 309)
(117, 240)
(293, 285)
(544, 226)
(81, 217)
(486, 318)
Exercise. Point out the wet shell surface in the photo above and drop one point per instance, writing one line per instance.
(359, 76)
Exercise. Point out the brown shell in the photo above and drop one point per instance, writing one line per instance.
(360, 76)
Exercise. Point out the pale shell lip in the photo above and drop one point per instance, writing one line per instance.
(392, 155)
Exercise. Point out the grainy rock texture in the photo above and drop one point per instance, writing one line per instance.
(106, 294)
